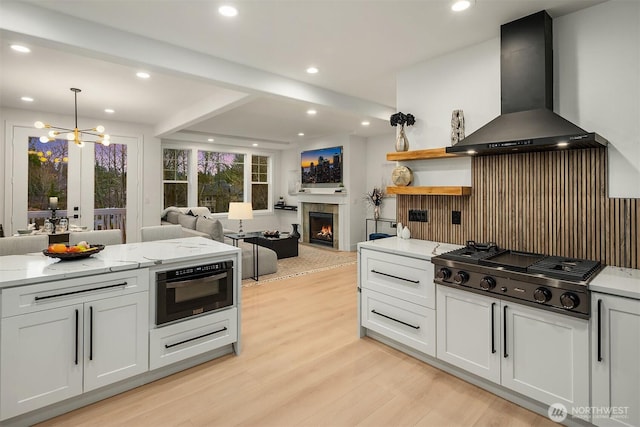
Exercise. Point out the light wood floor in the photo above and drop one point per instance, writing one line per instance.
(303, 365)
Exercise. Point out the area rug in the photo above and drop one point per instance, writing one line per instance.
(310, 259)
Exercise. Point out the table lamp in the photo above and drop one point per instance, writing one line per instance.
(240, 210)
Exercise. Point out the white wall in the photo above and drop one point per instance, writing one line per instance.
(379, 171)
(467, 79)
(149, 155)
(597, 79)
(355, 181)
(597, 86)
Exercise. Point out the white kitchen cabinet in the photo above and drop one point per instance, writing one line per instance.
(615, 355)
(534, 352)
(397, 298)
(116, 343)
(54, 351)
(469, 332)
(42, 359)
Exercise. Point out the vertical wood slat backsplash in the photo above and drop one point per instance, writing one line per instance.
(548, 202)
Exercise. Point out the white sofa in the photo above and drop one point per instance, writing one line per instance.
(194, 222)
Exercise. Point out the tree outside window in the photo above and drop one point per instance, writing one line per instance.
(220, 180)
(259, 182)
(47, 174)
(175, 172)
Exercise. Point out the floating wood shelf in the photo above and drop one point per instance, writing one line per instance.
(430, 191)
(431, 153)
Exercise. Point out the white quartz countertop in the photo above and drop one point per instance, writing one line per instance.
(416, 248)
(18, 270)
(617, 281)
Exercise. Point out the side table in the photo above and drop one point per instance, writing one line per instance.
(249, 238)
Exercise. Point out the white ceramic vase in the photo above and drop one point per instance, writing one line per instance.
(399, 229)
(406, 234)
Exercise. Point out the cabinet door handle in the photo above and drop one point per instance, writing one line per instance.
(395, 277)
(91, 333)
(195, 338)
(64, 294)
(599, 330)
(77, 330)
(504, 332)
(396, 320)
(493, 330)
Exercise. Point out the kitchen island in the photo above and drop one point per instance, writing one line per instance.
(75, 332)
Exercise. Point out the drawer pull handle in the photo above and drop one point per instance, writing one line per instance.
(599, 330)
(395, 277)
(493, 328)
(123, 284)
(195, 338)
(77, 327)
(396, 320)
(505, 353)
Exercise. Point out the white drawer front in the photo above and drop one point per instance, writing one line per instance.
(61, 293)
(403, 277)
(407, 323)
(182, 340)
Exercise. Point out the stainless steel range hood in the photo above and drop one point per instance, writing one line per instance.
(527, 122)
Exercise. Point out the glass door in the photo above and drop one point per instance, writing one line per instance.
(95, 186)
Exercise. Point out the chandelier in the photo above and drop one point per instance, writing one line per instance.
(75, 135)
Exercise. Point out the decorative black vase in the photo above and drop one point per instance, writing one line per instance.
(295, 233)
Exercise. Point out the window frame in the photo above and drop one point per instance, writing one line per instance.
(192, 173)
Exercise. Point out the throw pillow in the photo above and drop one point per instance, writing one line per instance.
(190, 212)
(173, 216)
(187, 221)
(211, 227)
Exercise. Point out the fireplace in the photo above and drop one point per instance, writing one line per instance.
(321, 228)
(314, 217)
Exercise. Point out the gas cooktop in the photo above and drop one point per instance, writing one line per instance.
(550, 282)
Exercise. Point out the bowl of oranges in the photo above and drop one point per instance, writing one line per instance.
(69, 252)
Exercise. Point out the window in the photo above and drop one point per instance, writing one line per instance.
(260, 182)
(110, 187)
(47, 176)
(220, 180)
(175, 177)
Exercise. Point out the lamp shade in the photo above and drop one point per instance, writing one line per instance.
(240, 210)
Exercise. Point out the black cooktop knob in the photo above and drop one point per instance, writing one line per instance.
(487, 283)
(460, 277)
(443, 274)
(569, 300)
(542, 295)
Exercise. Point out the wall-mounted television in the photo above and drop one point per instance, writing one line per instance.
(321, 167)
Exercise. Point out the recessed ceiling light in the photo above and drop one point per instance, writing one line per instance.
(312, 70)
(143, 74)
(27, 99)
(563, 144)
(460, 5)
(109, 110)
(210, 139)
(312, 112)
(472, 152)
(227, 10)
(300, 133)
(365, 123)
(255, 144)
(20, 48)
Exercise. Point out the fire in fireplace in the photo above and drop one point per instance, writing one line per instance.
(321, 228)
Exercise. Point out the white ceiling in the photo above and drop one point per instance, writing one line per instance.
(358, 45)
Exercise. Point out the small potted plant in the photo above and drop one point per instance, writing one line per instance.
(374, 198)
(399, 118)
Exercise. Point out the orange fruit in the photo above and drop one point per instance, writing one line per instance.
(73, 249)
(58, 248)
